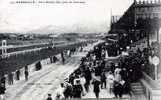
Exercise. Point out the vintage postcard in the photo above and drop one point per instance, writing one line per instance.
(80, 49)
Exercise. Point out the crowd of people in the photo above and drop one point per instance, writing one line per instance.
(96, 72)
(16, 76)
(11, 77)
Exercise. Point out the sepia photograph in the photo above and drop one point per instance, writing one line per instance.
(80, 49)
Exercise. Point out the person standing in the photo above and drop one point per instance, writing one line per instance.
(68, 92)
(124, 74)
(103, 79)
(26, 75)
(88, 77)
(55, 59)
(110, 79)
(18, 74)
(62, 57)
(10, 78)
(127, 88)
(83, 82)
(96, 88)
(117, 89)
(77, 89)
(2, 91)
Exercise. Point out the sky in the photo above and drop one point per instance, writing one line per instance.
(89, 16)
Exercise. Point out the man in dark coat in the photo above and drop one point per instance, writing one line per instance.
(88, 77)
(62, 57)
(96, 88)
(38, 66)
(26, 74)
(68, 91)
(55, 59)
(127, 88)
(117, 89)
(77, 90)
(18, 74)
(103, 79)
(98, 71)
(124, 74)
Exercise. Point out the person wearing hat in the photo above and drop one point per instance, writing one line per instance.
(68, 92)
(77, 89)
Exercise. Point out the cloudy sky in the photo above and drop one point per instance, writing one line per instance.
(88, 17)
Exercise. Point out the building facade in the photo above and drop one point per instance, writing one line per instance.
(142, 22)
